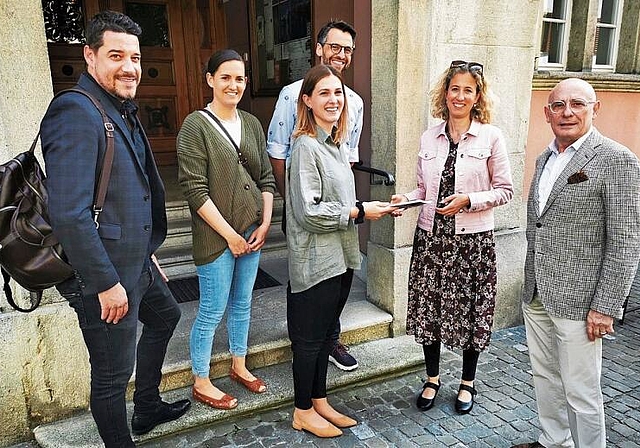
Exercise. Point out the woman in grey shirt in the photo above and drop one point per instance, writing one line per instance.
(323, 243)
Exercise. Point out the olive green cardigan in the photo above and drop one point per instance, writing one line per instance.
(208, 168)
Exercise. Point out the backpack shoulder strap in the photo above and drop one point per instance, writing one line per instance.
(107, 164)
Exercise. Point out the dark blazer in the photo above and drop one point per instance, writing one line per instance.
(583, 248)
(133, 223)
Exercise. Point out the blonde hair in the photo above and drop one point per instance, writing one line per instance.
(483, 108)
(306, 123)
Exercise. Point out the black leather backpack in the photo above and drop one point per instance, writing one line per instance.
(29, 252)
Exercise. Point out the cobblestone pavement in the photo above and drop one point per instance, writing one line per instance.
(504, 413)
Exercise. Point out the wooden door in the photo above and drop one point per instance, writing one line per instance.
(177, 36)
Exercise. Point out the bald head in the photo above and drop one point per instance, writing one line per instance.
(579, 86)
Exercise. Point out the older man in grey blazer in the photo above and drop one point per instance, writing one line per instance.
(583, 234)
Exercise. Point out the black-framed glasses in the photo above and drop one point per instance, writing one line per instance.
(337, 48)
(577, 105)
(473, 67)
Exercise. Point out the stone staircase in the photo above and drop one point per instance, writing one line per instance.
(364, 327)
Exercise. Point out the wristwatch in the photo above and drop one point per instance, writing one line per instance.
(360, 218)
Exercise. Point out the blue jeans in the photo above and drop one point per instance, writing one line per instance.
(226, 280)
(112, 351)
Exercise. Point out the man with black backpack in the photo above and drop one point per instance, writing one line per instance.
(117, 279)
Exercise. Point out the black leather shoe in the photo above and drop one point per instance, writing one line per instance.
(424, 404)
(464, 407)
(529, 445)
(165, 412)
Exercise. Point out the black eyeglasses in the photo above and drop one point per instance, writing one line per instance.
(471, 66)
(337, 48)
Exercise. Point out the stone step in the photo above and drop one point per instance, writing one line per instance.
(378, 359)
(268, 340)
(178, 234)
(177, 210)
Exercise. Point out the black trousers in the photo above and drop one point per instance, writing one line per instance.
(311, 319)
(335, 335)
(112, 351)
(432, 361)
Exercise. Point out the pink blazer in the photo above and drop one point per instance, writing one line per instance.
(482, 172)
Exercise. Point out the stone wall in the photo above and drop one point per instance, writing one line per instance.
(44, 372)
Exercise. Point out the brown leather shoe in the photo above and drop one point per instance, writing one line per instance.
(330, 431)
(226, 402)
(339, 420)
(342, 422)
(254, 386)
(535, 444)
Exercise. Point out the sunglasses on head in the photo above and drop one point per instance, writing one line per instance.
(470, 66)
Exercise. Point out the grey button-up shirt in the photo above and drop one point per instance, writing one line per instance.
(322, 239)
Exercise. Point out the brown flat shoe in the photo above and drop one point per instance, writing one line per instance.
(254, 386)
(226, 402)
(341, 420)
(330, 431)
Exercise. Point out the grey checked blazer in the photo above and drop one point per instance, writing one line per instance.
(584, 248)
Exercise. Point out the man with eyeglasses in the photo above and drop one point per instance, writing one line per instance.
(335, 46)
(583, 234)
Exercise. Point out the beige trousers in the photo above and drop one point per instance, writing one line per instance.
(566, 374)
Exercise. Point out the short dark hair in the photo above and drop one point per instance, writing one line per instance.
(338, 24)
(220, 57)
(109, 21)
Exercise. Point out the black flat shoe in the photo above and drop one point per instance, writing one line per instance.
(464, 407)
(424, 404)
(142, 423)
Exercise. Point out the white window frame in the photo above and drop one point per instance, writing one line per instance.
(616, 37)
(566, 21)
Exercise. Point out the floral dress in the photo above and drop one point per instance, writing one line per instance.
(452, 279)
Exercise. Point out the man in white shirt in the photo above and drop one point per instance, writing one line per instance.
(335, 46)
(583, 235)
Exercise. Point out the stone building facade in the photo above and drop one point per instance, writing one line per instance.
(44, 373)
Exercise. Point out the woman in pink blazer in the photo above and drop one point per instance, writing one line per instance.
(463, 173)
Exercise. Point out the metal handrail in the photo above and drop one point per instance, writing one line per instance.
(389, 179)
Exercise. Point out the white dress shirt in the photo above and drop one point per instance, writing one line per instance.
(556, 163)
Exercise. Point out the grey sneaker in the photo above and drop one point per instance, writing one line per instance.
(340, 357)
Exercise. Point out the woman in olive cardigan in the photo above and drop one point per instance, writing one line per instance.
(226, 178)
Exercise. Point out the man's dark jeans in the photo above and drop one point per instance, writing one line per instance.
(112, 351)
